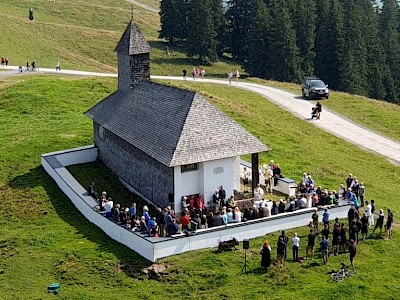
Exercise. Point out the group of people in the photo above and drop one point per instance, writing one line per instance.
(334, 240)
(233, 76)
(4, 61)
(196, 73)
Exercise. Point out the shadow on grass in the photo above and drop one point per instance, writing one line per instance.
(130, 262)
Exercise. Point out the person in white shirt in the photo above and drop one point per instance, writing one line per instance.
(258, 193)
(245, 177)
(108, 206)
(296, 246)
(368, 212)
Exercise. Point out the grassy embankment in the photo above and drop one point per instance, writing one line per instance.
(83, 36)
(44, 239)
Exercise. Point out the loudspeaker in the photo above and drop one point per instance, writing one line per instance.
(170, 197)
(246, 244)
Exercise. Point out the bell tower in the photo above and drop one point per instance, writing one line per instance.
(133, 54)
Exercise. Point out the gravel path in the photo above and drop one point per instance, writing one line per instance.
(330, 122)
(146, 7)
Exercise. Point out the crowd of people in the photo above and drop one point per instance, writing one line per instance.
(334, 239)
(224, 210)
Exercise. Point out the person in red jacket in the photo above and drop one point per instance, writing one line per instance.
(185, 221)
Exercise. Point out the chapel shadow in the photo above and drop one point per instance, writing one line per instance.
(130, 262)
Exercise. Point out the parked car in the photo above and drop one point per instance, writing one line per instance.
(313, 87)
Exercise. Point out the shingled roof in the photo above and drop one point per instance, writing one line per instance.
(132, 41)
(174, 126)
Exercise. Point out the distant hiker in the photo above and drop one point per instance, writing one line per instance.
(203, 73)
(58, 66)
(33, 65)
(31, 16)
(3, 60)
(184, 72)
(236, 75)
(230, 77)
(6, 61)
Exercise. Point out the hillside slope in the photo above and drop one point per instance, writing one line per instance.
(83, 35)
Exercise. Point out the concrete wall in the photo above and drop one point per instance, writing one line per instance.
(85, 204)
(145, 174)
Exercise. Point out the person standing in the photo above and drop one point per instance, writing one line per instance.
(368, 212)
(184, 73)
(280, 251)
(6, 61)
(389, 223)
(246, 176)
(230, 76)
(222, 196)
(325, 248)
(315, 218)
(352, 251)
(285, 239)
(203, 73)
(258, 193)
(319, 110)
(265, 255)
(361, 193)
(310, 245)
(296, 246)
(379, 222)
(58, 66)
(364, 226)
(236, 75)
(325, 217)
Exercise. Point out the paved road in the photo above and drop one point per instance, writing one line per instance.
(146, 7)
(330, 122)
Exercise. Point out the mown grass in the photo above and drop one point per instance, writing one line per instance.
(84, 34)
(44, 239)
(380, 116)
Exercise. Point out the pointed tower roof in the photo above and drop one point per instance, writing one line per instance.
(132, 41)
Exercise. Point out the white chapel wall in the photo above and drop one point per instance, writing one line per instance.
(217, 173)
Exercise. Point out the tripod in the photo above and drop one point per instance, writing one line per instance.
(244, 269)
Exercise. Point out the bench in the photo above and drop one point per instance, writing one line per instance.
(286, 186)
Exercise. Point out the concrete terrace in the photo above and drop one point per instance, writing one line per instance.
(153, 248)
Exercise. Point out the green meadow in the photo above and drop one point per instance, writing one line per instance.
(44, 239)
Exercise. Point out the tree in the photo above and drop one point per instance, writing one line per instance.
(354, 68)
(284, 63)
(391, 44)
(201, 39)
(329, 41)
(305, 22)
(219, 25)
(238, 15)
(173, 18)
(257, 59)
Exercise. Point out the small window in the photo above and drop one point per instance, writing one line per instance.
(189, 167)
(218, 170)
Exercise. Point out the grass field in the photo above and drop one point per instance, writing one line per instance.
(83, 36)
(44, 239)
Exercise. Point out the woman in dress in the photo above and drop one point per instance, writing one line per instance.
(265, 255)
